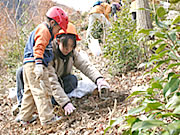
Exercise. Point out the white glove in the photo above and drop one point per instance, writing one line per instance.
(102, 84)
(38, 70)
(69, 108)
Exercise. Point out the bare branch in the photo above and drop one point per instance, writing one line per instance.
(23, 13)
(9, 15)
(17, 9)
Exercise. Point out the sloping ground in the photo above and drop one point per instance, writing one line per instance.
(92, 114)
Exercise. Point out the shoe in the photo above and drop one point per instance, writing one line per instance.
(17, 119)
(52, 121)
(15, 110)
(34, 117)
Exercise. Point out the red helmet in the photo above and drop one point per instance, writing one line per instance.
(59, 16)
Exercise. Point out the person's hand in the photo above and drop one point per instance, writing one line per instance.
(69, 108)
(38, 70)
(102, 84)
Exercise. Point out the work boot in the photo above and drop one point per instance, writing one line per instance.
(34, 117)
(15, 110)
(52, 121)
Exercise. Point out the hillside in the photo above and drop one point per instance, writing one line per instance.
(153, 82)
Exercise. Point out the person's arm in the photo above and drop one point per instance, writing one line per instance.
(85, 66)
(42, 37)
(58, 92)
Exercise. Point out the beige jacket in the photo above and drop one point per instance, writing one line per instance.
(56, 69)
(104, 8)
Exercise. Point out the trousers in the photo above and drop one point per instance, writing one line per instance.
(70, 82)
(37, 95)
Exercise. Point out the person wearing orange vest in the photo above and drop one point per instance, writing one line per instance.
(37, 55)
(100, 12)
(60, 77)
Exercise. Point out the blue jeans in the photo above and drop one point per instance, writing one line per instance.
(20, 85)
(69, 84)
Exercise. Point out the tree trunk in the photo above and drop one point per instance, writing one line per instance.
(143, 16)
(143, 22)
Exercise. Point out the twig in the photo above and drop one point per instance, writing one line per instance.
(9, 15)
(17, 9)
(113, 111)
(23, 13)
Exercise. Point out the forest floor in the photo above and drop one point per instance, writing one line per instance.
(92, 114)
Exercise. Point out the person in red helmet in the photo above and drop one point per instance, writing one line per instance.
(63, 82)
(37, 54)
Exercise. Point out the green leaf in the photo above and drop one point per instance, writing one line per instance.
(136, 110)
(171, 86)
(165, 133)
(136, 93)
(165, 115)
(160, 63)
(145, 31)
(144, 9)
(173, 36)
(177, 110)
(176, 76)
(173, 102)
(160, 48)
(152, 106)
(173, 65)
(106, 129)
(157, 22)
(130, 120)
(150, 91)
(155, 58)
(163, 53)
(156, 43)
(137, 126)
(176, 20)
(170, 75)
(161, 12)
(171, 54)
(117, 121)
(160, 35)
(147, 124)
(156, 85)
(173, 127)
(112, 121)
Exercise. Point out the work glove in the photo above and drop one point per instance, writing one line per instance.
(38, 70)
(102, 84)
(69, 108)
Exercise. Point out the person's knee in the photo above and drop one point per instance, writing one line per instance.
(70, 83)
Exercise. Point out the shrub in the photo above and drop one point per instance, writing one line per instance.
(157, 108)
(122, 43)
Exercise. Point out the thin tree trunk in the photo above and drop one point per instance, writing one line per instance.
(143, 16)
(144, 22)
